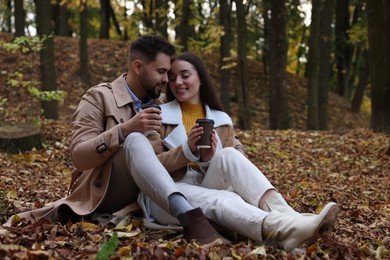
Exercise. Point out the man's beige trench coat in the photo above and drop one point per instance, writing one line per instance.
(95, 138)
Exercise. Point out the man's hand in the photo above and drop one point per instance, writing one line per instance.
(146, 120)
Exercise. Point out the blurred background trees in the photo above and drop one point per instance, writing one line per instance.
(325, 41)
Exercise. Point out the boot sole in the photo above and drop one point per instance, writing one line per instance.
(328, 217)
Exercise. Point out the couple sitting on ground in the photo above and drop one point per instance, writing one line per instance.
(173, 181)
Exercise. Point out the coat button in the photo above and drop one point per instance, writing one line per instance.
(121, 120)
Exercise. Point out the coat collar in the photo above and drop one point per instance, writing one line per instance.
(120, 92)
(171, 114)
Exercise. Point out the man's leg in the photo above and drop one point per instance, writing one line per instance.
(148, 172)
(154, 180)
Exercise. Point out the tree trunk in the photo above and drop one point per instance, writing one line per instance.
(242, 67)
(266, 46)
(64, 29)
(125, 33)
(104, 19)
(161, 12)
(20, 16)
(111, 13)
(355, 51)
(225, 89)
(324, 73)
(20, 137)
(362, 83)
(47, 64)
(84, 68)
(278, 100)
(378, 17)
(301, 51)
(7, 26)
(342, 16)
(185, 30)
(147, 7)
(313, 66)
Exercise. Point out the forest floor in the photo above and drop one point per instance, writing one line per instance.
(346, 164)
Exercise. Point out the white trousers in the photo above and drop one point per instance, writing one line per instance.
(135, 167)
(229, 194)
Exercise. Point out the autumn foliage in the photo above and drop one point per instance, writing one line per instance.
(347, 164)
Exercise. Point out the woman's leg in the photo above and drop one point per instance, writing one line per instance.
(223, 207)
(227, 209)
(230, 170)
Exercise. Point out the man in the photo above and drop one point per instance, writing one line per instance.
(113, 158)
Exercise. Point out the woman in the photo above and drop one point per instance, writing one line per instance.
(221, 180)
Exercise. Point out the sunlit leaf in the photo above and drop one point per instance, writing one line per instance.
(12, 194)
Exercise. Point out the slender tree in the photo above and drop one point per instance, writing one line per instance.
(242, 67)
(266, 46)
(47, 65)
(64, 29)
(60, 16)
(185, 31)
(104, 19)
(83, 43)
(378, 17)
(342, 25)
(226, 38)
(20, 17)
(364, 73)
(147, 13)
(356, 47)
(313, 66)
(161, 21)
(278, 100)
(324, 71)
(6, 26)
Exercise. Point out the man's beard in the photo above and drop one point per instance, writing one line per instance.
(150, 88)
(153, 93)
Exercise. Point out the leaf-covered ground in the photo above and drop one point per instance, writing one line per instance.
(346, 164)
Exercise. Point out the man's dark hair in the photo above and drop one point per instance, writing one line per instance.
(147, 47)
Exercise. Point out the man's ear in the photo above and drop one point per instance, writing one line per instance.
(137, 65)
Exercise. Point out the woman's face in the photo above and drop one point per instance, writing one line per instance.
(184, 82)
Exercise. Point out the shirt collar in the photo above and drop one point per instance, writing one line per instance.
(137, 102)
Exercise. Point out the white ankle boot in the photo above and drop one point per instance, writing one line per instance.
(276, 202)
(291, 229)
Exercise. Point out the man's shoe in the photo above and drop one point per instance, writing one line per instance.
(196, 226)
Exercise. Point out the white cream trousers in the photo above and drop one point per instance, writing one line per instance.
(229, 194)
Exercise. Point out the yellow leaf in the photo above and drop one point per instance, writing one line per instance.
(89, 226)
(16, 219)
(67, 172)
(234, 254)
(258, 251)
(12, 194)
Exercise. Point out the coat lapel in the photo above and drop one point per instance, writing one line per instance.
(121, 94)
(171, 114)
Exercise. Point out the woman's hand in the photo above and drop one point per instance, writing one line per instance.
(207, 153)
(193, 137)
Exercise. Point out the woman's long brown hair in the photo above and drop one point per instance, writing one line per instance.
(208, 91)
